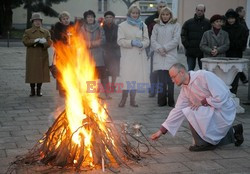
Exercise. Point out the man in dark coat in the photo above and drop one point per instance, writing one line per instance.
(241, 18)
(150, 24)
(191, 34)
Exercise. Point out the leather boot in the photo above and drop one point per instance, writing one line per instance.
(38, 90)
(132, 98)
(124, 98)
(32, 90)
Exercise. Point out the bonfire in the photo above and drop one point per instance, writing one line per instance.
(83, 136)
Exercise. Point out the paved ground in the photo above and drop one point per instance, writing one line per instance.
(23, 120)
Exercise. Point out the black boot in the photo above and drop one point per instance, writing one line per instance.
(132, 98)
(124, 98)
(32, 91)
(38, 90)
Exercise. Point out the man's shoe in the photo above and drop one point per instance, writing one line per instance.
(238, 134)
(245, 81)
(197, 148)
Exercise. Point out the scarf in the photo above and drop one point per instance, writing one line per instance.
(135, 22)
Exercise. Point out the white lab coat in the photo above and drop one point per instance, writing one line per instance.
(210, 122)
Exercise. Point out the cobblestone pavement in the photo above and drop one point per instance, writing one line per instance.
(23, 120)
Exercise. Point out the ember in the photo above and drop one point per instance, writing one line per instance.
(83, 136)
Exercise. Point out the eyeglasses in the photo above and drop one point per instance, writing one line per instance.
(173, 77)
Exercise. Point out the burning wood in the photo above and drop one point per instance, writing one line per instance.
(83, 136)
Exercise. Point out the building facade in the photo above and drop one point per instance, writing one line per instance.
(183, 9)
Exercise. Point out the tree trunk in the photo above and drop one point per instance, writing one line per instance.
(5, 17)
(29, 14)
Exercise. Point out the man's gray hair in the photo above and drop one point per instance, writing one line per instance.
(178, 66)
(201, 5)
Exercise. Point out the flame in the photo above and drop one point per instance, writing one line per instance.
(76, 67)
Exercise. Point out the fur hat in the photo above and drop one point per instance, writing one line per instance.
(215, 18)
(36, 16)
(231, 14)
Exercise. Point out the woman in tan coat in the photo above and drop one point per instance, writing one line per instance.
(37, 40)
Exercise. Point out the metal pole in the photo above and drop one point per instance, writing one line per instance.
(8, 39)
(248, 97)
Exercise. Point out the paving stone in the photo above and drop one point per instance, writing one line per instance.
(24, 132)
(231, 153)
(200, 156)
(8, 146)
(28, 118)
(4, 134)
(202, 165)
(2, 153)
(16, 152)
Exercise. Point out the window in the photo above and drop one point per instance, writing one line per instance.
(102, 6)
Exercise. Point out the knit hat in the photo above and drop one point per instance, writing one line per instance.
(109, 13)
(231, 14)
(36, 16)
(215, 17)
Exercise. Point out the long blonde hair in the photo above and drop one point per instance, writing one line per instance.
(172, 20)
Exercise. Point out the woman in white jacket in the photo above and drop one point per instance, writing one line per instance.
(164, 41)
(133, 39)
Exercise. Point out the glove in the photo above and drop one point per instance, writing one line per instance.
(136, 43)
(42, 40)
(37, 40)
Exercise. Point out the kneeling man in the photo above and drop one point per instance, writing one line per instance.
(206, 102)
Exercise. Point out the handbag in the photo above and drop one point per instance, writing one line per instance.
(53, 68)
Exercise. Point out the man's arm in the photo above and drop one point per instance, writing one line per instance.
(174, 119)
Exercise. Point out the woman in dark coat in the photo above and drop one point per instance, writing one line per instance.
(112, 49)
(60, 34)
(237, 42)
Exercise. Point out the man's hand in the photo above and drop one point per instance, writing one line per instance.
(196, 105)
(214, 52)
(156, 135)
(162, 52)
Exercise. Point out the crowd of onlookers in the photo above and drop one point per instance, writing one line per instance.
(127, 50)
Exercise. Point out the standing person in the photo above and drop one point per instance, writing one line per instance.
(241, 12)
(237, 42)
(206, 102)
(215, 42)
(164, 41)
(191, 34)
(133, 39)
(37, 40)
(112, 49)
(60, 34)
(150, 24)
(95, 39)
(241, 18)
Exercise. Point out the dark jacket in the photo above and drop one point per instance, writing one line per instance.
(244, 24)
(150, 23)
(237, 39)
(111, 49)
(191, 34)
(60, 32)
